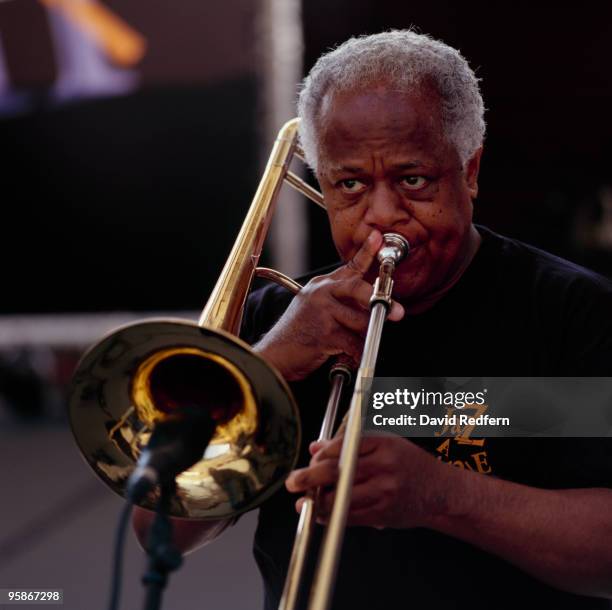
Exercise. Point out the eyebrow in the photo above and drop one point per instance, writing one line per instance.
(398, 166)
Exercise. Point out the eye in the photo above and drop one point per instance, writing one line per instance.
(352, 186)
(414, 183)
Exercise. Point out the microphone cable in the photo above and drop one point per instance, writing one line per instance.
(118, 553)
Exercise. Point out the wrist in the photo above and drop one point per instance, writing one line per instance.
(262, 349)
(450, 494)
(266, 350)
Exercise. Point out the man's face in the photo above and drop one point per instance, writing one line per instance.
(384, 164)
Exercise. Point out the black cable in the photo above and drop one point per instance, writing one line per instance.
(124, 519)
(164, 558)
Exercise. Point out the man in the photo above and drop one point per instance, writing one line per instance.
(393, 127)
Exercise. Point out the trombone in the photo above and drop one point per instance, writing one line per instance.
(394, 249)
(144, 374)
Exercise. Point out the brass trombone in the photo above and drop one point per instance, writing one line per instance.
(395, 248)
(144, 373)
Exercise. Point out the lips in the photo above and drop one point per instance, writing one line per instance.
(413, 242)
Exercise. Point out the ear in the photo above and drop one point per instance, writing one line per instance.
(471, 173)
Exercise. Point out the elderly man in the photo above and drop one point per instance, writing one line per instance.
(392, 125)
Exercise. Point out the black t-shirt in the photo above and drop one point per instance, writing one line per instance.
(516, 311)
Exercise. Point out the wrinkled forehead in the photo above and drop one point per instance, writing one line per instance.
(360, 122)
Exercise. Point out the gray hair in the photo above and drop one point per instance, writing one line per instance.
(403, 59)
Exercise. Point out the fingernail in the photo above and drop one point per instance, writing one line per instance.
(373, 237)
(314, 447)
(291, 481)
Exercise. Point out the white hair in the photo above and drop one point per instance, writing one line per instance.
(404, 60)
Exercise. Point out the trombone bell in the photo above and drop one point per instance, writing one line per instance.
(145, 372)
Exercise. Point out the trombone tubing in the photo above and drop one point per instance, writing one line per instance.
(224, 308)
(394, 250)
(330, 554)
(305, 528)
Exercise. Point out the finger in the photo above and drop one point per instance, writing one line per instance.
(355, 320)
(369, 516)
(365, 256)
(372, 467)
(320, 474)
(367, 468)
(299, 504)
(331, 449)
(327, 449)
(349, 347)
(356, 290)
(362, 497)
(315, 446)
(397, 312)
(353, 290)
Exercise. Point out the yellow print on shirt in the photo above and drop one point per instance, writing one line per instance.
(454, 448)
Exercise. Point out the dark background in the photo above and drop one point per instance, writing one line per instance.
(133, 202)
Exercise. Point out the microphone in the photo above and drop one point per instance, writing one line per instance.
(176, 444)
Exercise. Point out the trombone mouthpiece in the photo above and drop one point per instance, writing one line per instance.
(395, 247)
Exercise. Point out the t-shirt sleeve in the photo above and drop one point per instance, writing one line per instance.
(262, 310)
(587, 349)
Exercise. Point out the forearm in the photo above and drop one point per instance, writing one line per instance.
(187, 535)
(562, 537)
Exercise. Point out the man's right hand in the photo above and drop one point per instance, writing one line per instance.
(328, 317)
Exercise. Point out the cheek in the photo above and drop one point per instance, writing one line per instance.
(346, 231)
(447, 219)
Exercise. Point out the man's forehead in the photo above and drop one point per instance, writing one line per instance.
(407, 124)
(357, 166)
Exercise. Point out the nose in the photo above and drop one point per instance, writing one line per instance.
(385, 207)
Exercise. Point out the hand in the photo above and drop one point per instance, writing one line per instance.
(329, 316)
(397, 484)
